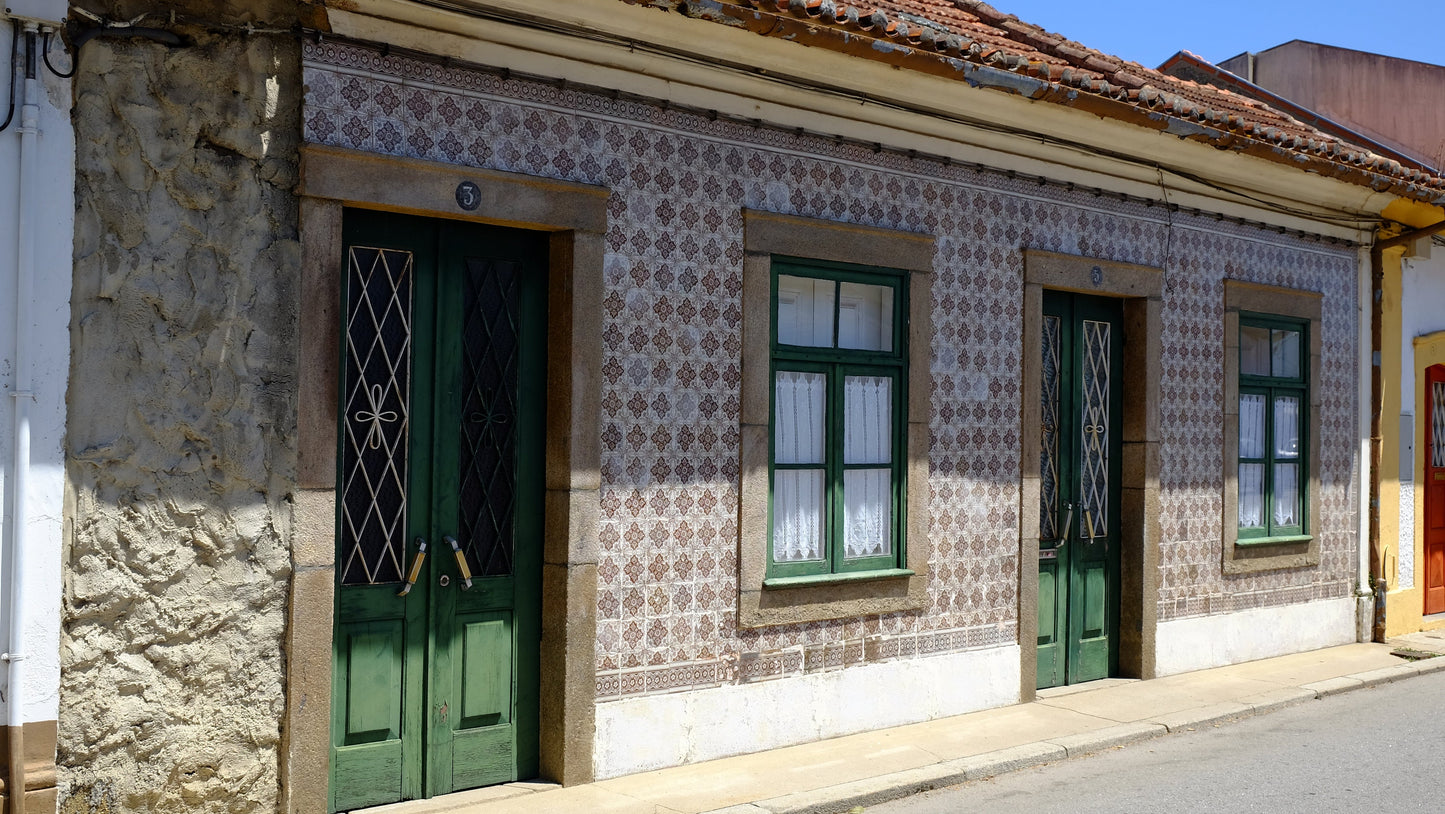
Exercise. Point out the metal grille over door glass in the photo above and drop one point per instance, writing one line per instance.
(1095, 430)
(1049, 454)
(489, 415)
(800, 413)
(1437, 418)
(375, 420)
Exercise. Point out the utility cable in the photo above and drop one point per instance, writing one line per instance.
(14, 50)
(45, 55)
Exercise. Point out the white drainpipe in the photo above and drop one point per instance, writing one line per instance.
(23, 396)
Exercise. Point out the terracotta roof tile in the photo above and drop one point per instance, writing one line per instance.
(935, 35)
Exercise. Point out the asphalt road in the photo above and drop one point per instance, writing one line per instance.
(1377, 749)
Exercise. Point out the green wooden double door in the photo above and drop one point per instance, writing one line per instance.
(439, 520)
(1079, 471)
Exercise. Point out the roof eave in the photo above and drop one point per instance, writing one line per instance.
(805, 24)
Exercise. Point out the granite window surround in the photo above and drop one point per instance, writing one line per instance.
(1296, 551)
(765, 235)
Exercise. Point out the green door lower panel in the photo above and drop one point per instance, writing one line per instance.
(369, 757)
(483, 746)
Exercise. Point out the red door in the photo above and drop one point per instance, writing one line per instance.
(1435, 490)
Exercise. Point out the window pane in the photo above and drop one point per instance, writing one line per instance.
(1286, 495)
(1251, 425)
(1437, 417)
(1286, 354)
(867, 512)
(865, 317)
(1251, 495)
(1253, 350)
(805, 311)
(1286, 427)
(867, 419)
(798, 417)
(797, 515)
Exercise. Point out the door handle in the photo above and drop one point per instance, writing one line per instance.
(461, 563)
(415, 567)
(1068, 528)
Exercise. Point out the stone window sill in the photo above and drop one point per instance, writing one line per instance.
(1253, 542)
(775, 583)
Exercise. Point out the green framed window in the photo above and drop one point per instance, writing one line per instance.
(839, 419)
(1274, 404)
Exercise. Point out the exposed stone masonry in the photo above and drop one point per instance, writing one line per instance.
(181, 445)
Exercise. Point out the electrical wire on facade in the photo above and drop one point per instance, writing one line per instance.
(45, 55)
(14, 50)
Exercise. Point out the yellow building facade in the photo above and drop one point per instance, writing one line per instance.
(1412, 322)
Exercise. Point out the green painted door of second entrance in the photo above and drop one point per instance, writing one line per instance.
(1082, 347)
(439, 494)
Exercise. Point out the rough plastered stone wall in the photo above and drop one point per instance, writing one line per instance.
(667, 571)
(182, 422)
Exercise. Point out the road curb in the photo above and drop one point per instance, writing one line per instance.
(1109, 737)
(896, 785)
(874, 790)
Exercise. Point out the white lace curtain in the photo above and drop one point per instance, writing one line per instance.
(1252, 423)
(798, 494)
(1251, 445)
(867, 439)
(800, 414)
(1286, 475)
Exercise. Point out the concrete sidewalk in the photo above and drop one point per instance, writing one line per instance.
(872, 767)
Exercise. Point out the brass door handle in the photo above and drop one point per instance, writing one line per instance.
(461, 562)
(1068, 528)
(415, 567)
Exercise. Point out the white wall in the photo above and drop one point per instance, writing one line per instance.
(657, 731)
(1202, 642)
(47, 317)
(1422, 307)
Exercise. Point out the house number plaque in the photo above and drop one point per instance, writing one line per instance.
(469, 195)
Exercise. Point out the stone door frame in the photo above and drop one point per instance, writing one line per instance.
(576, 217)
(1141, 288)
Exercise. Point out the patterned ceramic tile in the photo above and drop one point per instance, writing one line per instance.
(667, 574)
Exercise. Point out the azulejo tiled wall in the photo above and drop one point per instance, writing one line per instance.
(667, 588)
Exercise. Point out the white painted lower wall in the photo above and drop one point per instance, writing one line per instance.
(657, 731)
(1214, 641)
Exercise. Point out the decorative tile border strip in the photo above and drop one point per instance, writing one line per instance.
(800, 660)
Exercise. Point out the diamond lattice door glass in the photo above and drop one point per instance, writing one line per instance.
(1094, 429)
(374, 417)
(439, 509)
(1437, 424)
(1049, 431)
(489, 415)
(1079, 488)
(1434, 491)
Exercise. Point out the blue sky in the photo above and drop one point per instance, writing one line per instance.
(1150, 31)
